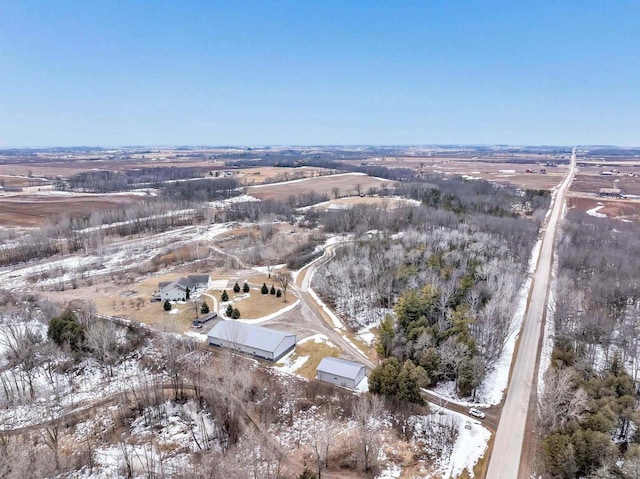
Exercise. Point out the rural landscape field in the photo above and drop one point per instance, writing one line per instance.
(356, 253)
(319, 240)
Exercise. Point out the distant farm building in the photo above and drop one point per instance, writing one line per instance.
(341, 372)
(177, 290)
(257, 341)
(615, 192)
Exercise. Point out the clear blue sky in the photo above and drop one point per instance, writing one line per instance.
(319, 72)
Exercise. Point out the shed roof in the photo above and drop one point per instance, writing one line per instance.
(340, 367)
(610, 191)
(249, 335)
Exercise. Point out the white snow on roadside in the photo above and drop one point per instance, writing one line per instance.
(492, 388)
(337, 323)
(469, 446)
(594, 211)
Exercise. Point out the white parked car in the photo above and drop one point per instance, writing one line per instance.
(476, 413)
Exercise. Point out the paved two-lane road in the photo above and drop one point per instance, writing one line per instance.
(507, 449)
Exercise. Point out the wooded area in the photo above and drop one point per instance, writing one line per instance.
(588, 412)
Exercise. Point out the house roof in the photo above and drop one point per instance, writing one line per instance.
(199, 278)
(183, 283)
(249, 335)
(180, 283)
(340, 367)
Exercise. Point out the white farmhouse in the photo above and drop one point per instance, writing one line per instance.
(177, 290)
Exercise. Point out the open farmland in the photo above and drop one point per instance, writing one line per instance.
(346, 183)
(267, 174)
(53, 168)
(592, 183)
(36, 209)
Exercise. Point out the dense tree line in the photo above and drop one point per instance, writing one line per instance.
(106, 181)
(589, 409)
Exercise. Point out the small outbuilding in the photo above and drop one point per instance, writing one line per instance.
(341, 372)
(257, 341)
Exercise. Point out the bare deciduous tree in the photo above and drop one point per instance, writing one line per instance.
(283, 279)
(367, 412)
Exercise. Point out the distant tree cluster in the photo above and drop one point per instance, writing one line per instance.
(106, 181)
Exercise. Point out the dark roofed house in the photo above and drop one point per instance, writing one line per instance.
(341, 372)
(258, 341)
(200, 280)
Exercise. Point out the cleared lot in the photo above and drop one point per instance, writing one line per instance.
(347, 185)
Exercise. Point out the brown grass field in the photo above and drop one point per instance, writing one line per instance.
(321, 185)
(628, 210)
(257, 176)
(34, 209)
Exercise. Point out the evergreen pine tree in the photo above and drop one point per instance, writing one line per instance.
(264, 289)
(273, 290)
(307, 474)
(245, 287)
(225, 296)
(167, 305)
(229, 311)
(204, 309)
(188, 293)
(235, 313)
(236, 288)
(278, 293)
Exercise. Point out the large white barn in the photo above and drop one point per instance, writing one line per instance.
(253, 340)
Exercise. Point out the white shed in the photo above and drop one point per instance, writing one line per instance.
(341, 372)
(258, 341)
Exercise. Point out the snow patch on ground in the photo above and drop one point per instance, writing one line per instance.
(318, 338)
(235, 199)
(290, 365)
(468, 448)
(594, 211)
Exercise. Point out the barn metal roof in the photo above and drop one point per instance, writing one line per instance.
(340, 367)
(249, 335)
